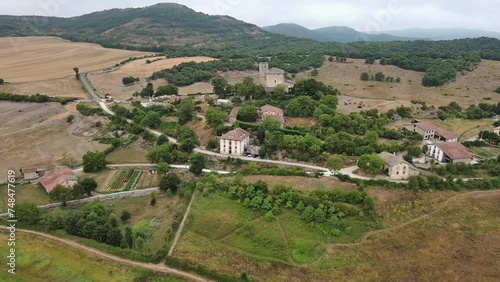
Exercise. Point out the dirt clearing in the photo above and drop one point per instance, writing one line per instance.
(38, 134)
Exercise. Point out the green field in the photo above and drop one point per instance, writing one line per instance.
(226, 236)
(43, 260)
(26, 193)
(126, 155)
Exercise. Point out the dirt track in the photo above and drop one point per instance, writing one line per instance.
(154, 267)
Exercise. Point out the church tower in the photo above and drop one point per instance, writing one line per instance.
(263, 68)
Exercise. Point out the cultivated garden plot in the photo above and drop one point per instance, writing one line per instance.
(121, 180)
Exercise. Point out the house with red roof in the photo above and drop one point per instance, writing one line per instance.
(432, 132)
(58, 176)
(450, 152)
(234, 142)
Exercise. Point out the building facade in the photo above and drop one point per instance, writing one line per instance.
(448, 152)
(272, 77)
(396, 167)
(271, 111)
(234, 142)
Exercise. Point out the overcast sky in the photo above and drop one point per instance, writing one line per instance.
(364, 15)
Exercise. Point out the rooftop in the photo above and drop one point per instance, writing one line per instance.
(276, 71)
(426, 126)
(455, 150)
(237, 134)
(55, 177)
(445, 133)
(272, 109)
(391, 159)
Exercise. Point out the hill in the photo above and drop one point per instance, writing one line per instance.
(443, 33)
(293, 30)
(330, 34)
(150, 26)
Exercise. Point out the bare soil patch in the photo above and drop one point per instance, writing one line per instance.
(62, 87)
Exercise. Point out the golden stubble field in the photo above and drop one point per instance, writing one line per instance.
(466, 90)
(45, 64)
(110, 82)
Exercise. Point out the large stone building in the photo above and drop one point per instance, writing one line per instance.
(234, 142)
(432, 132)
(396, 167)
(32, 173)
(273, 77)
(450, 152)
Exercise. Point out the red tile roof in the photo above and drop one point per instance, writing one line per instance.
(455, 150)
(445, 133)
(56, 177)
(238, 134)
(426, 126)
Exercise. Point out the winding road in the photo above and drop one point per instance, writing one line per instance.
(149, 266)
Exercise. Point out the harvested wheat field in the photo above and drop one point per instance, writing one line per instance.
(110, 81)
(38, 134)
(61, 87)
(468, 89)
(27, 59)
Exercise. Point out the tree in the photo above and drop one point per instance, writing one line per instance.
(78, 191)
(497, 90)
(335, 163)
(129, 237)
(215, 117)
(148, 91)
(163, 168)
(372, 163)
(271, 124)
(125, 215)
(27, 213)
(151, 119)
(171, 182)
(89, 185)
(2, 81)
(379, 76)
(248, 113)
(370, 61)
(169, 89)
(197, 163)
(186, 109)
(130, 80)
(365, 76)
(220, 85)
(314, 72)
(398, 79)
(77, 71)
(61, 194)
(114, 236)
(94, 161)
(70, 118)
(162, 139)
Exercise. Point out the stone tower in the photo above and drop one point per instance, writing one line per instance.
(263, 68)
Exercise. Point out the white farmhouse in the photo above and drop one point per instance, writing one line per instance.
(447, 152)
(234, 142)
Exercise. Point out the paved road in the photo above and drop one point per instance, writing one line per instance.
(149, 266)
